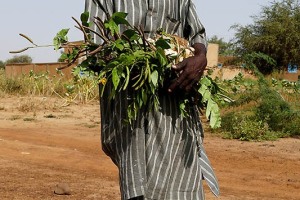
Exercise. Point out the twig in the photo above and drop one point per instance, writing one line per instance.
(101, 36)
(141, 32)
(100, 24)
(128, 40)
(82, 29)
(27, 38)
(72, 61)
(95, 51)
(31, 47)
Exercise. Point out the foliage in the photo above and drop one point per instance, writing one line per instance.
(84, 86)
(237, 125)
(275, 111)
(60, 38)
(19, 59)
(2, 65)
(275, 32)
(60, 59)
(286, 86)
(260, 111)
(129, 61)
(260, 61)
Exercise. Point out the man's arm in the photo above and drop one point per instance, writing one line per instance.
(191, 69)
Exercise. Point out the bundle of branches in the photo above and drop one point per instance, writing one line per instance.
(130, 60)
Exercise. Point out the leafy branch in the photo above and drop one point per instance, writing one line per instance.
(130, 61)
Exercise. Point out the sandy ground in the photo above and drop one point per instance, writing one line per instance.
(43, 144)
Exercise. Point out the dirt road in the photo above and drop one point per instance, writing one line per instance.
(43, 144)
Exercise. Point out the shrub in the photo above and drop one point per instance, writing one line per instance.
(245, 127)
(293, 126)
(2, 65)
(274, 111)
(261, 113)
(19, 59)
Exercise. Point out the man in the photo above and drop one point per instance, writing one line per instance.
(160, 156)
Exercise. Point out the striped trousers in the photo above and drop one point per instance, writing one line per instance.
(158, 154)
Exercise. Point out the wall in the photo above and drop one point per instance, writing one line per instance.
(15, 70)
(291, 76)
(212, 55)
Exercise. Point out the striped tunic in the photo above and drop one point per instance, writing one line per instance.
(158, 155)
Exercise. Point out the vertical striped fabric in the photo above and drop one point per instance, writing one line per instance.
(158, 155)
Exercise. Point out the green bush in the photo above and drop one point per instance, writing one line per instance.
(293, 126)
(261, 112)
(2, 65)
(278, 113)
(246, 128)
(274, 110)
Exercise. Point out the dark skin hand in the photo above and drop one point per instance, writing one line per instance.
(190, 70)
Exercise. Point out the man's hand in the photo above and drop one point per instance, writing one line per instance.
(190, 69)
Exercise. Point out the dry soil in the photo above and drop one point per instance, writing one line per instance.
(43, 143)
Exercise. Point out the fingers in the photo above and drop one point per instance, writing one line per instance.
(184, 81)
(189, 71)
(176, 83)
(180, 66)
(189, 87)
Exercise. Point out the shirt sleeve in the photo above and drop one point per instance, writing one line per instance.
(197, 32)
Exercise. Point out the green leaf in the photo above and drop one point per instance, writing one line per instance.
(182, 108)
(154, 78)
(63, 57)
(131, 34)
(215, 120)
(126, 78)
(206, 95)
(119, 18)
(120, 15)
(112, 26)
(113, 64)
(119, 45)
(205, 81)
(162, 44)
(213, 114)
(115, 78)
(138, 54)
(126, 59)
(160, 54)
(84, 17)
(144, 96)
(60, 38)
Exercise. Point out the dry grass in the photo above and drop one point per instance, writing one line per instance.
(79, 90)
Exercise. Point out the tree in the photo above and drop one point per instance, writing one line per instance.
(225, 48)
(2, 64)
(275, 32)
(19, 59)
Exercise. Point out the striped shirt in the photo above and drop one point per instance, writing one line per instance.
(158, 155)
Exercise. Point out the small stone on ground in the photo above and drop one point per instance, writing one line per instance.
(62, 189)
